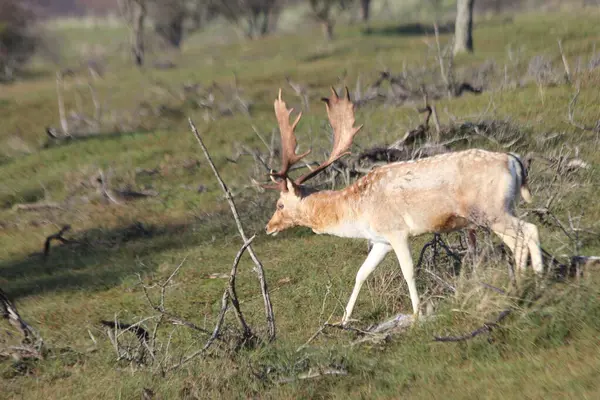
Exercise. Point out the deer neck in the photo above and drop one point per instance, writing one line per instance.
(331, 212)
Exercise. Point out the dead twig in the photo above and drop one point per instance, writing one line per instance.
(228, 294)
(486, 328)
(565, 62)
(141, 333)
(32, 343)
(571, 115)
(314, 373)
(232, 292)
(160, 306)
(105, 190)
(58, 236)
(259, 267)
(39, 206)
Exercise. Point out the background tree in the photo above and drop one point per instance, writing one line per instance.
(463, 30)
(256, 17)
(365, 8)
(324, 12)
(18, 37)
(134, 13)
(169, 19)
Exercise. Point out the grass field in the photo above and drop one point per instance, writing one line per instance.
(548, 348)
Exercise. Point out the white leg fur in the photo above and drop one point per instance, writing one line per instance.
(400, 244)
(535, 250)
(376, 255)
(522, 238)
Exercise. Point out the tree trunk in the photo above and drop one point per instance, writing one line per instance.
(139, 17)
(327, 29)
(463, 31)
(172, 30)
(365, 6)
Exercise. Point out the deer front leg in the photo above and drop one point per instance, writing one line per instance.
(376, 255)
(399, 242)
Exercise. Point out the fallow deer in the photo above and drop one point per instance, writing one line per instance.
(394, 202)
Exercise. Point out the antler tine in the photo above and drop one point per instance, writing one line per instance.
(341, 119)
(288, 138)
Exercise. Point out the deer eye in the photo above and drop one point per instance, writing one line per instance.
(280, 206)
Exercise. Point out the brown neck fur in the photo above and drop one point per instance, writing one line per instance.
(327, 208)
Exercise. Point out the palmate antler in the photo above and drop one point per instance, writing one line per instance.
(341, 117)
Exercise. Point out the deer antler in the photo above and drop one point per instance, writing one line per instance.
(341, 117)
(288, 139)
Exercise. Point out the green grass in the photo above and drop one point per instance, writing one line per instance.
(546, 350)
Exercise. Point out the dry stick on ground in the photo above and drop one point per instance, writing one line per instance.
(141, 333)
(440, 57)
(232, 293)
(106, 192)
(565, 62)
(160, 307)
(486, 328)
(259, 267)
(64, 124)
(314, 373)
(571, 114)
(57, 236)
(32, 343)
(123, 352)
(39, 206)
(228, 294)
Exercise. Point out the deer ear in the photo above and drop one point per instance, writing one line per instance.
(291, 187)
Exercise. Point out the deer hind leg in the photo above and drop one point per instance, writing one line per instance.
(523, 239)
(376, 255)
(400, 244)
(535, 251)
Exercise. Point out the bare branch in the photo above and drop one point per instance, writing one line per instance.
(32, 343)
(57, 236)
(565, 62)
(259, 267)
(315, 373)
(486, 328)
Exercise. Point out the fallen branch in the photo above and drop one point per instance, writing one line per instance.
(36, 206)
(58, 237)
(565, 62)
(486, 328)
(124, 352)
(314, 373)
(32, 343)
(132, 194)
(571, 115)
(141, 333)
(259, 267)
(228, 294)
(494, 288)
(105, 190)
(160, 306)
(580, 263)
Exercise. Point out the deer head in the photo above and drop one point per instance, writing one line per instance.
(289, 211)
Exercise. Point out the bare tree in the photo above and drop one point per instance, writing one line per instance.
(256, 17)
(365, 7)
(18, 38)
(326, 11)
(321, 10)
(464, 27)
(134, 13)
(169, 17)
